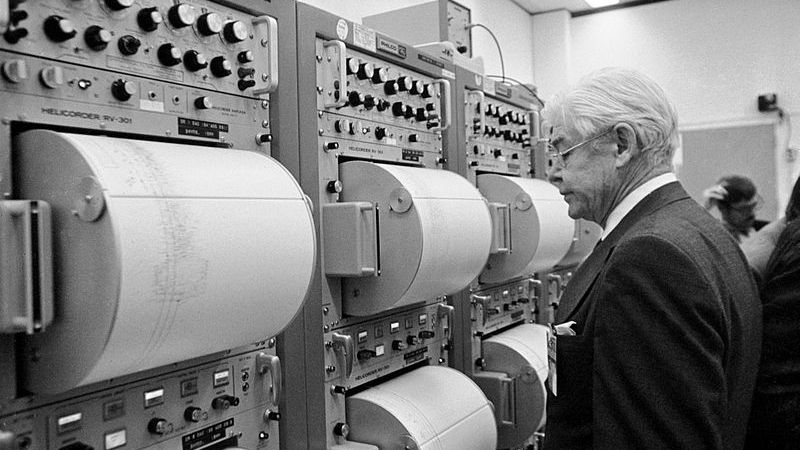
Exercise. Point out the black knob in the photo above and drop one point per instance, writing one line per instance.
(169, 55)
(13, 36)
(412, 340)
(123, 90)
(380, 75)
(421, 115)
(503, 120)
(354, 98)
(193, 414)
(383, 105)
(59, 29)
(427, 91)
(408, 112)
(398, 109)
(363, 355)
(430, 125)
(263, 138)
(380, 133)
(489, 109)
(245, 57)
(157, 425)
(431, 107)
(343, 126)
(462, 49)
(390, 87)
(426, 334)
(209, 24)
(497, 153)
(203, 102)
(404, 83)
(508, 135)
(498, 111)
(413, 138)
(341, 429)
(364, 71)
(221, 67)
(341, 390)
(235, 31)
(352, 65)
(224, 402)
(473, 163)
(332, 146)
(181, 15)
(273, 415)
(246, 84)
(416, 87)
(515, 156)
(96, 37)
(118, 5)
(194, 60)
(369, 102)
(245, 72)
(334, 187)
(17, 16)
(129, 45)
(149, 19)
(398, 345)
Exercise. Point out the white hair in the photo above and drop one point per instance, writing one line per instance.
(612, 95)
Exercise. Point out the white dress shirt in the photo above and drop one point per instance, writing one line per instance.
(633, 198)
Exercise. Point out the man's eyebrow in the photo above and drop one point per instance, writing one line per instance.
(556, 140)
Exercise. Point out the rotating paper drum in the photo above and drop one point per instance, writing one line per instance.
(521, 353)
(162, 252)
(541, 230)
(430, 408)
(435, 234)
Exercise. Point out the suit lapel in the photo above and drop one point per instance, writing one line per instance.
(579, 286)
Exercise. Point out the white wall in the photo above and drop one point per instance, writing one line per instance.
(510, 23)
(712, 57)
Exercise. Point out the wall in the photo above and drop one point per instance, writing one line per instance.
(510, 23)
(713, 57)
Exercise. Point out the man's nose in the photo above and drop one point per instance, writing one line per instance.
(554, 173)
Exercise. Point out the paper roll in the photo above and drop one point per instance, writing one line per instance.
(435, 234)
(162, 252)
(428, 408)
(521, 353)
(586, 236)
(541, 230)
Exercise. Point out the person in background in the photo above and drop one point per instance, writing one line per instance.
(736, 199)
(775, 415)
(657, 337)
(759, 248)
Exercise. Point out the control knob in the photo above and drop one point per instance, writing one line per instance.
(169, 55)
(157, 426)
(365, 71)
(118, 5)
(149, 19)
(421, 115)
(427, 91)
(399, 345)
(390, 87)
(341, 429)
(59, 29)
(352, 65)
(334, 187)
(408, 112)
(413, 138)
(193, 414)
(416, 87)
(235, 31)
(129, 45)
(123, 90)
(369, 102)
(209, 24)
(194, 60)
(380, 75)
(404, 83)
(181, 15)
(412, 340)
(203, 102)
(14, 35)
(398, 109)
(15, 70)
(97, 38)
(220, 67)
(343, 125)
(380, 133)
(245, 57)
(354, 98)
(382, 105)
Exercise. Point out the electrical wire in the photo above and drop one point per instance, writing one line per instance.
(496, 42)
(519, 83)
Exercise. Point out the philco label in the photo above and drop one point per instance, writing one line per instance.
(394, 48)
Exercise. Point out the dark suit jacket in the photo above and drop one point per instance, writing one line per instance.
(668, 336)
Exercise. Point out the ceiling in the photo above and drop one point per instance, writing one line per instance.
(575, 7)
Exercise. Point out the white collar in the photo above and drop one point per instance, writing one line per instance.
(633, 198)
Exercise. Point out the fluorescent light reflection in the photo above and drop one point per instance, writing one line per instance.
(601, 3)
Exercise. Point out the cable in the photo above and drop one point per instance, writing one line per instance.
(521, 84)
(496, 42)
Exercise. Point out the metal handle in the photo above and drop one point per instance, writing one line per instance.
(266, 363)
(481, 101)
(26, 267)
(344, 344)
(535, 285)
(5, 15)
(501, 227)
(448, 312)
(508, 402)
(342, 49)
(447, 114)
(374, 232)
(270, 42)
(559, 282)
(536, 125)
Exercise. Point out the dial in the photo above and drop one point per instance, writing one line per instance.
(97, 38)
(235, 31)
(221, 67)
(169, 55)
(364, 71)
(194, 60)
(129, 45)
(118, 5)
(209, 24)
(181, 15)
(59, 29)
(123, 90)
(149, 19)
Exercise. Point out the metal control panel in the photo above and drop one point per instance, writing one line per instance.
(229, 402)
(195, 72)
(500, 307)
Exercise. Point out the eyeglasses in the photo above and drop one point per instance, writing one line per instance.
(558, 156)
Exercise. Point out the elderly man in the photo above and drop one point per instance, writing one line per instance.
(659, 331)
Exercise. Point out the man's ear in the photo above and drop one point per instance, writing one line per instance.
(627, 145)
